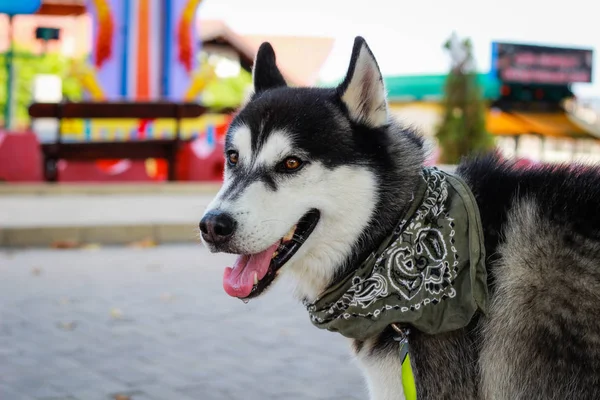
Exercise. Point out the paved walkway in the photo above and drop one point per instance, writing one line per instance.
(24, 211)
(155, 323)
(40, 220)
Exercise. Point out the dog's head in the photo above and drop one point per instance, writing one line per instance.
(304, 177)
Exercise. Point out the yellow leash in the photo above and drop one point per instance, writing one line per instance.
(408, 379)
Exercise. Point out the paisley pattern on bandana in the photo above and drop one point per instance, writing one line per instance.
(417, 269)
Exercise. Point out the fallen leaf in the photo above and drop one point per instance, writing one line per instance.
(64, 244)
(63, 300)
(167, 297)
(67, 326)
(116, 313)
(143, 243)
(92, 246)
(36, 271)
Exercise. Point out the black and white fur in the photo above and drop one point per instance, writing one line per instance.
(541, 339)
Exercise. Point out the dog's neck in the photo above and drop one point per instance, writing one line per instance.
(390, 210)
(396, 183)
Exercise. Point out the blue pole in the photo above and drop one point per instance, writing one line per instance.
(8, 106)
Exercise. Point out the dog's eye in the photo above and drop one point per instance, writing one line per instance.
(232, 157)
(292, 163)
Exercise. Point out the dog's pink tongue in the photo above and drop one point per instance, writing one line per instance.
(239, 280)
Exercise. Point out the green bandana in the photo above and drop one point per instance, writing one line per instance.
(429, 274)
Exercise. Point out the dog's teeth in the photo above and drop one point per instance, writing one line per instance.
(290, 234)
(275, 255)
(256, 278)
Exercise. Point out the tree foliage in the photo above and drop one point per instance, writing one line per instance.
(224, 92)
(462, 130)
(220, 93)
(26, 65)
(227, 92)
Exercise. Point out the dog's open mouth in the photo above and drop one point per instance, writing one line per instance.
(253, 273)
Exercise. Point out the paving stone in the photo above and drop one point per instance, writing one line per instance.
(58, 398)
(155, 391)
(177, 335)
(74, 381)
(7, 392)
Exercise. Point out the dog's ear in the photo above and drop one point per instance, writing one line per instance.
(363, 91)
(265, 74)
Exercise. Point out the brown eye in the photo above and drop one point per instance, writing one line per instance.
(232, 157)
(292, 163)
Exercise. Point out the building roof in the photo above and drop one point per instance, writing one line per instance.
(431, 87)
(62, 7)
(300, 58)
(497, 122)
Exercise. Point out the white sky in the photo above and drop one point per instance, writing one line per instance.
(406, 36)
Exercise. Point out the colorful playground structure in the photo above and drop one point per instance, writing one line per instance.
(142, 50)
(134, 62)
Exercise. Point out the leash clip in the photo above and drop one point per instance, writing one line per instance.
(402, 333)
(402, 339)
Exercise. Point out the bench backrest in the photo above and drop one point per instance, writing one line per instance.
(112, 110)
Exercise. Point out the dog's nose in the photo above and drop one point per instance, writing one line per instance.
(217, 227)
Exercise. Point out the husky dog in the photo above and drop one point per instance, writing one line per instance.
(316, 178)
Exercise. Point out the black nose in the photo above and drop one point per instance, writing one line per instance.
(217, 227)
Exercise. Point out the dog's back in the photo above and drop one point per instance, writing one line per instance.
(541, 339)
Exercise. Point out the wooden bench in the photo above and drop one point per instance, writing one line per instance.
(135, 149)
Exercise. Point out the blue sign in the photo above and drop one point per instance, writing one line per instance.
(533, 64)
(14, 7)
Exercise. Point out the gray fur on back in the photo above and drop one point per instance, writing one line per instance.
(542, 338)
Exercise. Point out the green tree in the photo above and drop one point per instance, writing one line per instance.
(224, 92)
(220, 93)
(26, 66)
(462, 130)
(227, 92)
